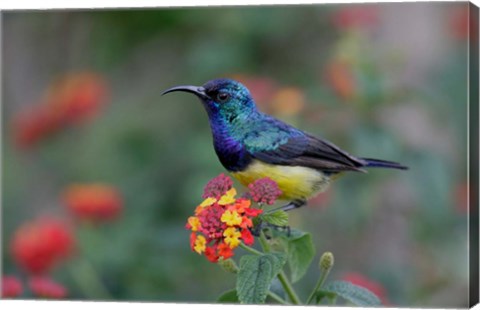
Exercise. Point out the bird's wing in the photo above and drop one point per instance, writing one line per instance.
(289, 146)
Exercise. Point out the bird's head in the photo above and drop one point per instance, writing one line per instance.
(222, 98)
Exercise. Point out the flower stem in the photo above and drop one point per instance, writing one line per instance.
(287, 286)
(277, 298)
(319, 284)
(249, 249)
(87, 279)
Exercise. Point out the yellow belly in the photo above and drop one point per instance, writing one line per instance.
(295, 182)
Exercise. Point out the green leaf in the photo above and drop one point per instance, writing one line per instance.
(358, 295)
(255, 275)
(322, 294)
(300, 251)
(228, 297)
(277, 218)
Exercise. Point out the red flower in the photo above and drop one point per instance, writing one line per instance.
(77, 97)
(95, 202)
(362, 16)
(247, 237)
(462, 26)
(11, 287)
(39, 245)
(72, 99)
(225, 251)
(461, 195)
(264, 190)
(217, 186)
(262, 89)
(47, 288)
(374, 287)
(211, 254)
(33, 125)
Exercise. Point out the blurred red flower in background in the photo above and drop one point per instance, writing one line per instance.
(262, 89)
(461, 25)
(340, 77)
(32, 125)
(362, 16)
(374, 287)
(72, 99)
(461, 197)
(272, 98)
(93, 202)
(11, 287)
(77, 97)
(37, 246)
(46, 287)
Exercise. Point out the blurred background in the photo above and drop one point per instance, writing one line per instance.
(100, 172)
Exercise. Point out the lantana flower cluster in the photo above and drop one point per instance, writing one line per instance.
(222, 221)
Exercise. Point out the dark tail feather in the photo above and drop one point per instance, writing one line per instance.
(383, 164)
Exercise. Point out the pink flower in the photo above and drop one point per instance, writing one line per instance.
(359, 16)
(11, 287)
(217, 186)
(47, 288)
(374, 287)
(462, 26)
(264, 190)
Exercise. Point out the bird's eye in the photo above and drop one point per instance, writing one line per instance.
(223, 97)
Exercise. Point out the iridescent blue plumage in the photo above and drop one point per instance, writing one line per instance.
(244, 137)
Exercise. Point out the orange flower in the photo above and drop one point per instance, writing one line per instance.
(39, 245)
(288, 101)
(94, 202)
(340, 77)
(11, 287)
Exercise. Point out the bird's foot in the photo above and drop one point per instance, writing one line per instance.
(265, 226)
(290, 206)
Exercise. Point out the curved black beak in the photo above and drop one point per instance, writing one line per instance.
(196, 90)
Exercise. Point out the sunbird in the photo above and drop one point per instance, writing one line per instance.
(252, 145)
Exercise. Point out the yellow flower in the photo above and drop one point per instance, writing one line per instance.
(232, 236)
(208, 202)
(194, 223)
(228, 198)
(231, 218)
(200, 244)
